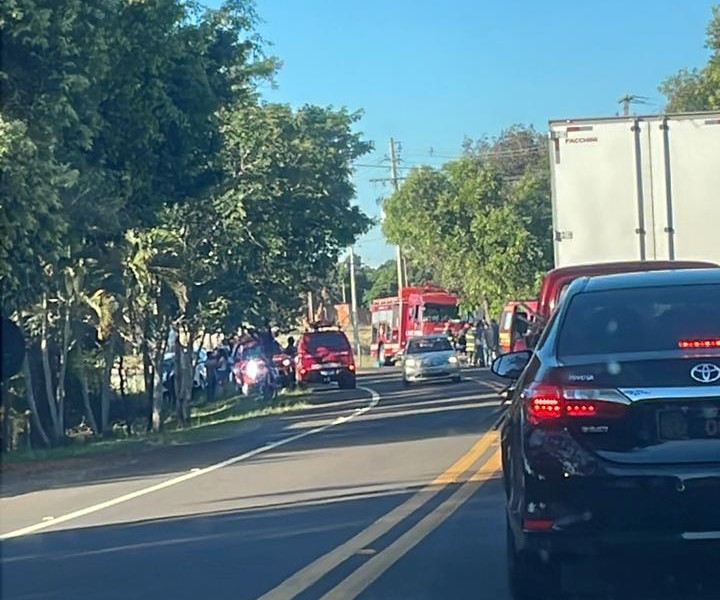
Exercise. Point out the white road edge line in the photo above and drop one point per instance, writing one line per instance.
(374, 400)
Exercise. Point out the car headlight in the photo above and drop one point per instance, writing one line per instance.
(286, 362)
(452, 359)
(410, 362)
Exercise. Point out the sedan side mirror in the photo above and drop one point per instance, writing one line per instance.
(511, 365)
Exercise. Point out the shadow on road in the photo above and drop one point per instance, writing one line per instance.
(243, 553)
(419, 412)
(225, 554)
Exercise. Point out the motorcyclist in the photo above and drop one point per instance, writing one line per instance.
(291, 348)
(270, 347)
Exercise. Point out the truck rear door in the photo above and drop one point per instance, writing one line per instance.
(635, 188)
(596, 213)
(685, 158)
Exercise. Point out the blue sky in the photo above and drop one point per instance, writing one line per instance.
(429, 73)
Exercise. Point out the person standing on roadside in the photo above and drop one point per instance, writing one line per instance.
(211, 365)
(471, 344)
(488, 344)
(495, 328)
(223, 368)
(477, 336)
(291, 348)
(461, 345)
(448, 333)
(482, 343)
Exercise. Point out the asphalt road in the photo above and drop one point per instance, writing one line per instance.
(377, 493)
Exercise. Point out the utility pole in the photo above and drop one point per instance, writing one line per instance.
(406, 279)
(311, 309)
(625, 100)
(353, 303)
(396, 187)
(629, 99)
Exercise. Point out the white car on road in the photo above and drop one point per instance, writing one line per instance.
(430, 357)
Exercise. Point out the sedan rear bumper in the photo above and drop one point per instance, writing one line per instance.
(585, 543)
(610, 514)
(658, 543)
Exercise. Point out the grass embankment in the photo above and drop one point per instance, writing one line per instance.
(209, 421)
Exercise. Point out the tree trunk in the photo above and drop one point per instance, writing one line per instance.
(128, 414)
(185, 380)
(6, 419)
(196, 359)
(157, 399)
(150, 396)
(30, 395)
(105, 388)
(183, 373)
(86, 395)
(121, 376)
(47, 374)
(148, 378)
(157, 396)
(60, 388)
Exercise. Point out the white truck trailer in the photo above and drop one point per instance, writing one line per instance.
(636, 188)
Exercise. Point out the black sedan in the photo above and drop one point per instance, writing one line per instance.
(611, 442)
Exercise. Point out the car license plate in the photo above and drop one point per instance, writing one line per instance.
(328, 373)
(676, 424)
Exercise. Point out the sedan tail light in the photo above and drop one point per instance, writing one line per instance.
(551, 402)
(700, 343)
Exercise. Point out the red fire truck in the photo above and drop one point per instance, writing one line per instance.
(424, 310)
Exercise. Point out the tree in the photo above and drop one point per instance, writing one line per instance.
(480, 224)
(31, 218)
(383, 282)
(289, 201)
(697, 89)
(146, 188)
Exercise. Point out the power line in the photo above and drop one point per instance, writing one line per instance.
(371, 241)
(485, 153)
(444, 157)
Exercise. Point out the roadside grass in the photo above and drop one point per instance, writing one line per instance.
(209, 421)
(365, 361)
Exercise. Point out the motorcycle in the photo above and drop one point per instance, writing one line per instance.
(285, 367)
(256, 378)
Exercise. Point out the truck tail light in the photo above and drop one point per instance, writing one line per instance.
(551, 402)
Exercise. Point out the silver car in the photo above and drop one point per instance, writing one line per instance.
(429, 357)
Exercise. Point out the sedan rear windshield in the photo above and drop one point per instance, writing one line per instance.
(639, 320)
(326, 340)
(428, 345)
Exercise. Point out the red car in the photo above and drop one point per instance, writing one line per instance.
(323, 356)
(556, 282)
(521, 323)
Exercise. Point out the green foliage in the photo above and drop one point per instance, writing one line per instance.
(289, 200)
(32, 224)
(697, 89)
(383, 282)
(481, 224)
(146, 185)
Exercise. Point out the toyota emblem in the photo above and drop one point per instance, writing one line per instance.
(705, 373)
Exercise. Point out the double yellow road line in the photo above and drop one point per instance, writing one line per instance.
(370, 571)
